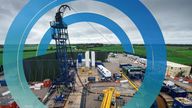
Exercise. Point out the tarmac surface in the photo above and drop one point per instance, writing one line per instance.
(124, 88)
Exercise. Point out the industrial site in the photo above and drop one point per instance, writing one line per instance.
(81, 76)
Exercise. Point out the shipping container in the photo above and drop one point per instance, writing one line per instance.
(3, 83)
(10, 105)
(47, 83)
(91, 79)
(132, 72)
(174, 91)
(124, 64)
(127, 69)
(177, 92)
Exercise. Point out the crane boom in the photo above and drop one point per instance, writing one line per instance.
(108, 96)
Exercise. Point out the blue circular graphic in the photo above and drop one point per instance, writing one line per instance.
(134, 9)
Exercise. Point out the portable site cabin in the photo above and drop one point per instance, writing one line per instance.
(175, 69)
(104, 71)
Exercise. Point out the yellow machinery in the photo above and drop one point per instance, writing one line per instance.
(90, 72)
(109, 95)
(130, 82)
(85, 70)
(82, 69)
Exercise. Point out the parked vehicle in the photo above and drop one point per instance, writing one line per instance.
(117, 76)
(59, 98)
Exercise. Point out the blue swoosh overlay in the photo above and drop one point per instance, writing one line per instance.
(134, 9)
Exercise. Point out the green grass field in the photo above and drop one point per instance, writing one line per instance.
(178, 54)
(28, 53)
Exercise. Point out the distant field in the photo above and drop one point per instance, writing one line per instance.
(178, 54)
(27, 54)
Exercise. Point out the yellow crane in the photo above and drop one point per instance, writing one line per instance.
(109, 95)
(130, 82)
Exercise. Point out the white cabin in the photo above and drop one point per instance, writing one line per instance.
(105, 72)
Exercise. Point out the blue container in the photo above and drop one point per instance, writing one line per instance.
(177, 104)
(177, 92)
(165, 89)
(91, 79)
(80, 57)
(3, 83)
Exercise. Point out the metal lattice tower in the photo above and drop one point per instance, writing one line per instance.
(61, 37)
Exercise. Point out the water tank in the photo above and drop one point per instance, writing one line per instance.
(87, 59)
(92, 58)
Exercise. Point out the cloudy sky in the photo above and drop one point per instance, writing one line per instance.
(173, 16)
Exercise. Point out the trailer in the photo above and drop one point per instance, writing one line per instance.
(104, 71)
